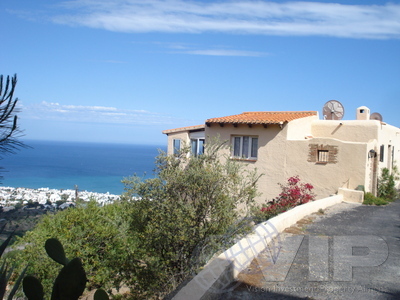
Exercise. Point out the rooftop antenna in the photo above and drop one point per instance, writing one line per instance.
(333, 110)
(376, 116)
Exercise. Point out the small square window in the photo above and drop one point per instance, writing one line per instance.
(323, 156)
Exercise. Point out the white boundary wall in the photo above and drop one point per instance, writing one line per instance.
(224, 269)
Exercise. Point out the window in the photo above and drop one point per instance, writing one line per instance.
(382, 153)
(392, 156)
(323, 156)
(197, 146)
(177, 146)
(245, 147)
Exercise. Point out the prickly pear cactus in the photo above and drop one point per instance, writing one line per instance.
(32, 288)
(56, 251)
(100, 294)
(70, 282)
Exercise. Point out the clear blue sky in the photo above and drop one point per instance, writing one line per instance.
(124, 70)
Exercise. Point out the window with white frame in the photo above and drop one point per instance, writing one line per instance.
(323, 156)
(197, 146)
(245, 147)
(177, 146)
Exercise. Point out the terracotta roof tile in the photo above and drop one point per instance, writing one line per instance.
(187, 128)
(263, 117)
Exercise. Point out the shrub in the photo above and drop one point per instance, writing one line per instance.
(159, 234)
(179, 212)
(70, 282)
(19, 205)
(6, 272)
(387, 184)
(98, 235)
(370, 199)
(293, 193)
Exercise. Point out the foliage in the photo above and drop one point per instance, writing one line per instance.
(97, 235)
(370, 199)
(387, 184)
(192, 200)
(293, 193)
(6, 272)
(158, 235)
(70, 282)
(8, 118)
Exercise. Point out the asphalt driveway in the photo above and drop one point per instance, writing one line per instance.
(348, 251)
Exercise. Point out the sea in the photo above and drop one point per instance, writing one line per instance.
(94, 167)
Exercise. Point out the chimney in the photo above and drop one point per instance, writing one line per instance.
(363, 113)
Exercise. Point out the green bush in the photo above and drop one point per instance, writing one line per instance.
(387, 184)
(98, 235)
(192, 204)
(162, 231)
(70, 282)
(6, 272)
(370, 199)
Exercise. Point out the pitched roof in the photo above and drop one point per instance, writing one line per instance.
(263, 117)
(187, 128)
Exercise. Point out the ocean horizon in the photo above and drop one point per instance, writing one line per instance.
(95, 167)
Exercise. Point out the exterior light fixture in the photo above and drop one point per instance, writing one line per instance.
(372, 153)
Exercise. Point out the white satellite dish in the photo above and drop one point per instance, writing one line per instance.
(333, 110)
(376, 116)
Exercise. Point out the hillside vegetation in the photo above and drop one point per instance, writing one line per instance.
(161, 232)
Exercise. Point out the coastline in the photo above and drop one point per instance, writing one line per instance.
(93, 167)
(10, 196)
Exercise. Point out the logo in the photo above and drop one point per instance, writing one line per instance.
(271, 256)
(238, 257)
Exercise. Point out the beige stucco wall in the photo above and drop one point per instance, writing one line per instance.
(280, 158)
(271, 153)
(284, 152)
(389, 135)
(347, 172)
(351, 131)
(182, 135)
(301, 128)
(372, 132)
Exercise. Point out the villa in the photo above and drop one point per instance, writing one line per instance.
(329, 154)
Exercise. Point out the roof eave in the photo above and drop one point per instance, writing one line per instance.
(182, 129)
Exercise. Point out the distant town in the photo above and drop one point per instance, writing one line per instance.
(10, 196)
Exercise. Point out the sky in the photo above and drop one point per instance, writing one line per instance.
(121, 71)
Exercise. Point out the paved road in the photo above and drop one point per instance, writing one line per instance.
(351, 251)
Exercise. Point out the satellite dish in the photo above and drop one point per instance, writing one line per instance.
(376, 116)
(333, 110)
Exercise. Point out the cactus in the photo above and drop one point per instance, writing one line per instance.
(70, 282)
(100, 294)
(55, 250)
(32, 288)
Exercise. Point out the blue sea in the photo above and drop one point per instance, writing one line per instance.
(91, 166)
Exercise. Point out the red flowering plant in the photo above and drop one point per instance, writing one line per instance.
(293, 193)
